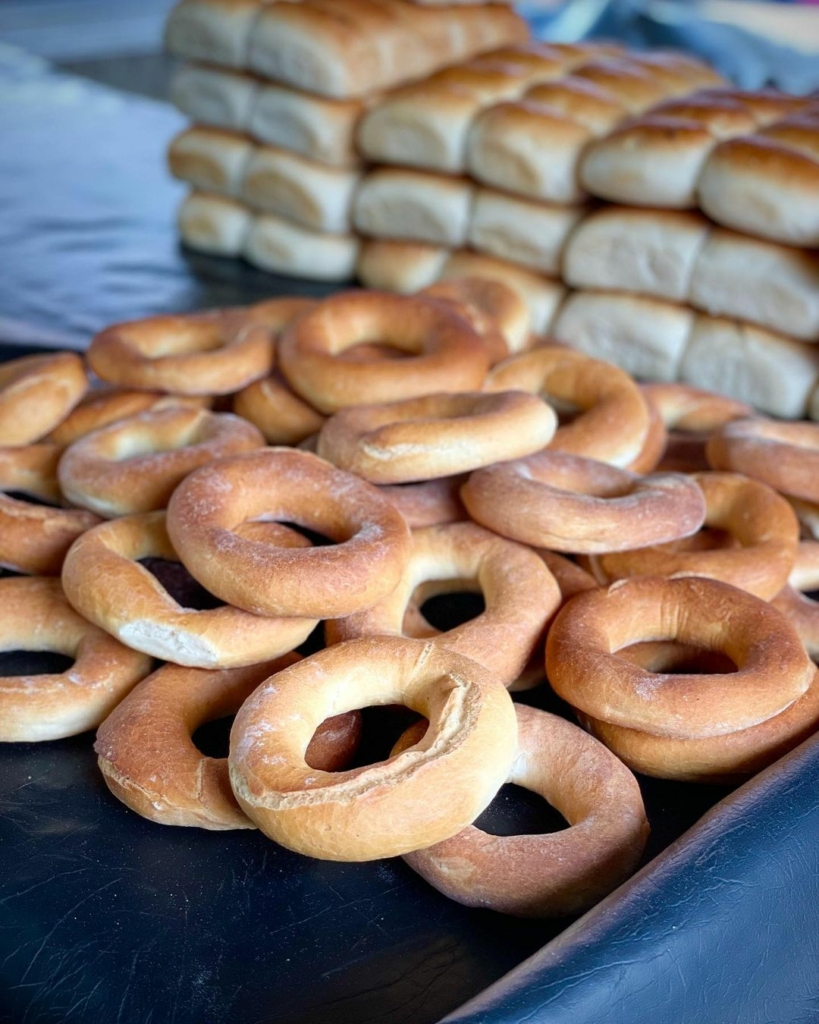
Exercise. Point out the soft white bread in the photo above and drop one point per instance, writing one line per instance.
(213, 224)
(214, 96)
(403, 267)
(516, 229)
(655, 161)
(314, 195)
(423, 126)
(646, 337)
(210, 159)
(769, 284)
(763, 187)
(316, 127)
(773, 373)
(526, 148)
(653, 252)
(278, 245)
(581, 101)
(426, 125)
(309, 47)
(542, 295)
(414, 206)
(216, 31)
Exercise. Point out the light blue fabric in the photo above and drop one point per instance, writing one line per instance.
(749, 60)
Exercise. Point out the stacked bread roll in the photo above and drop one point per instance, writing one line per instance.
(275, 91)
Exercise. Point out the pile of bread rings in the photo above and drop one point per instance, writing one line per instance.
(637, 547)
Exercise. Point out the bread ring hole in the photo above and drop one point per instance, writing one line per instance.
(181, 338)
(371, 351)
(332, 748)
(34, 663)
(567, 412)
(282, 533)
(672, 658)
(182, 587)
(381, 727)
(516, 811)
(30, 499)
(132, 444)
(437, 606)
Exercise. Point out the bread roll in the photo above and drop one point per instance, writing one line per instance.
(652, 252)
(528, 149)
(543, 296)
(520, 230)
(210, 159)
(768, 284)
(633, 86)
(723, 116)
(213, 224)
(414, 206)
(763, 187)
(646, 337)
(275, 244)
(315, 127)
(216, 31)
(655, 161)
(581, 101)
(214, 96)
(403, 267)
(313, 195)
(773, 373)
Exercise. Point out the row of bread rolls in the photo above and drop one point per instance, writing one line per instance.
(585, 487)
(342, 50)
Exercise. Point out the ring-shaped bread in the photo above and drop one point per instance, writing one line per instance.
(107, 405)
(497, 312)
(801, 610)
(442, 351)
(566, 503)
(750, 540)
(692, 410)
(582, 663)
(212, 353)
(273, 407)
(656, 441)
(520, 595)
(104, 581)
(37, 393)
(785, 456)
(149, 760)
(37, 617)
(134, 465)
(557, 873)
(34, 538)
(371, 540)
(612, 418)
(424, 795)
(716, 759)
(429, 502)
(436, 435)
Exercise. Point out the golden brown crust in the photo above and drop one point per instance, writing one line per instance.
(104, 581)
(426, 794)
(565, 503)
(273, 407)
(149, 760)
(444, 353)
(554, 874)
(437, 435)
(133, 465)
(519, 592)
(37, 393)
(773, 669)
(784, 456)
(200, 353)
(37, 617)
(107, 405)
(365, 562)
(431, 503)
(756, 552)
